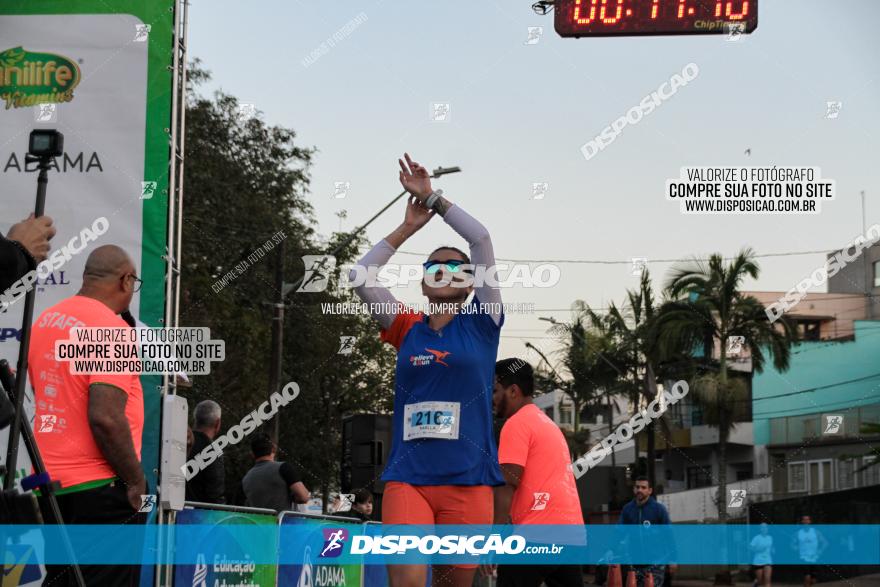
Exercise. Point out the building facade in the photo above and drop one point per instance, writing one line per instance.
(819, 422)
(860, 276)
(807, 430)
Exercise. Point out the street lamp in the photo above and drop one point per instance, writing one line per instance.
(446, 170)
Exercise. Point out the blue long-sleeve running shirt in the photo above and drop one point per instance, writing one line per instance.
(442, 425)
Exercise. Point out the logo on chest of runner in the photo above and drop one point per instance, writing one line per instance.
(433, 357)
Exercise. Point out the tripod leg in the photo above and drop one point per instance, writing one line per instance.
(48, 492)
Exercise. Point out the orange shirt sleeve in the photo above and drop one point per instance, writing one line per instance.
(401, 325)
(123, 382)
(513, 447)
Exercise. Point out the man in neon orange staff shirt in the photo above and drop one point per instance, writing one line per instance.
(539, 484)
(88, 427)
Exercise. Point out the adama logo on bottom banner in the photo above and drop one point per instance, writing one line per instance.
(334, 538)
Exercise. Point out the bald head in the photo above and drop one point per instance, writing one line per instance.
(109, 277)
(106, 262)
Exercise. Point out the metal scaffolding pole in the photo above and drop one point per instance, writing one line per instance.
(164, 575)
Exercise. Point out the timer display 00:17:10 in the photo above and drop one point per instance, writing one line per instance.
(582, 18)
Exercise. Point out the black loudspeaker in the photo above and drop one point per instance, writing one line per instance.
(366, 442)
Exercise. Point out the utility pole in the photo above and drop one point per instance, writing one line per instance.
(869, 307)
(650, 390)
(277, 335)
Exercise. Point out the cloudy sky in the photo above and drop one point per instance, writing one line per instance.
(519, 113)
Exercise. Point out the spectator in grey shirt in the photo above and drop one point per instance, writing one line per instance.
(270, 484)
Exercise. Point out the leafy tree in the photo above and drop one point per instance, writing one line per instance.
(246, 181)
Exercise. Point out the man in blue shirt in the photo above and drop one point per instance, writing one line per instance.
(647, 512)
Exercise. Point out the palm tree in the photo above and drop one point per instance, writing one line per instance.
(706, 308)
(592, 373)
(634, 330)
(578, 360)
(632, 327)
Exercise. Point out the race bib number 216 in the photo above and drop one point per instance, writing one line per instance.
(431, 420)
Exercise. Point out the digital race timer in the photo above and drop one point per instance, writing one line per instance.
(590, 18)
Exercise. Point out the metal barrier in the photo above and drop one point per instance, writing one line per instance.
(198, 505)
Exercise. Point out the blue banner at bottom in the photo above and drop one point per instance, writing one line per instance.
(351, 544)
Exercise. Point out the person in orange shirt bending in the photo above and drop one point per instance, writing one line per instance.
(540, 486)
(88, 427)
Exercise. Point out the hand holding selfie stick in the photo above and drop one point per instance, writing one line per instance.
(43, 147)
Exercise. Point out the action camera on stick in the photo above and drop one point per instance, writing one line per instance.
(46, 143)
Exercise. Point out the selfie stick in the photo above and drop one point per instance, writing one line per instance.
(43, 162)
(40, 480)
